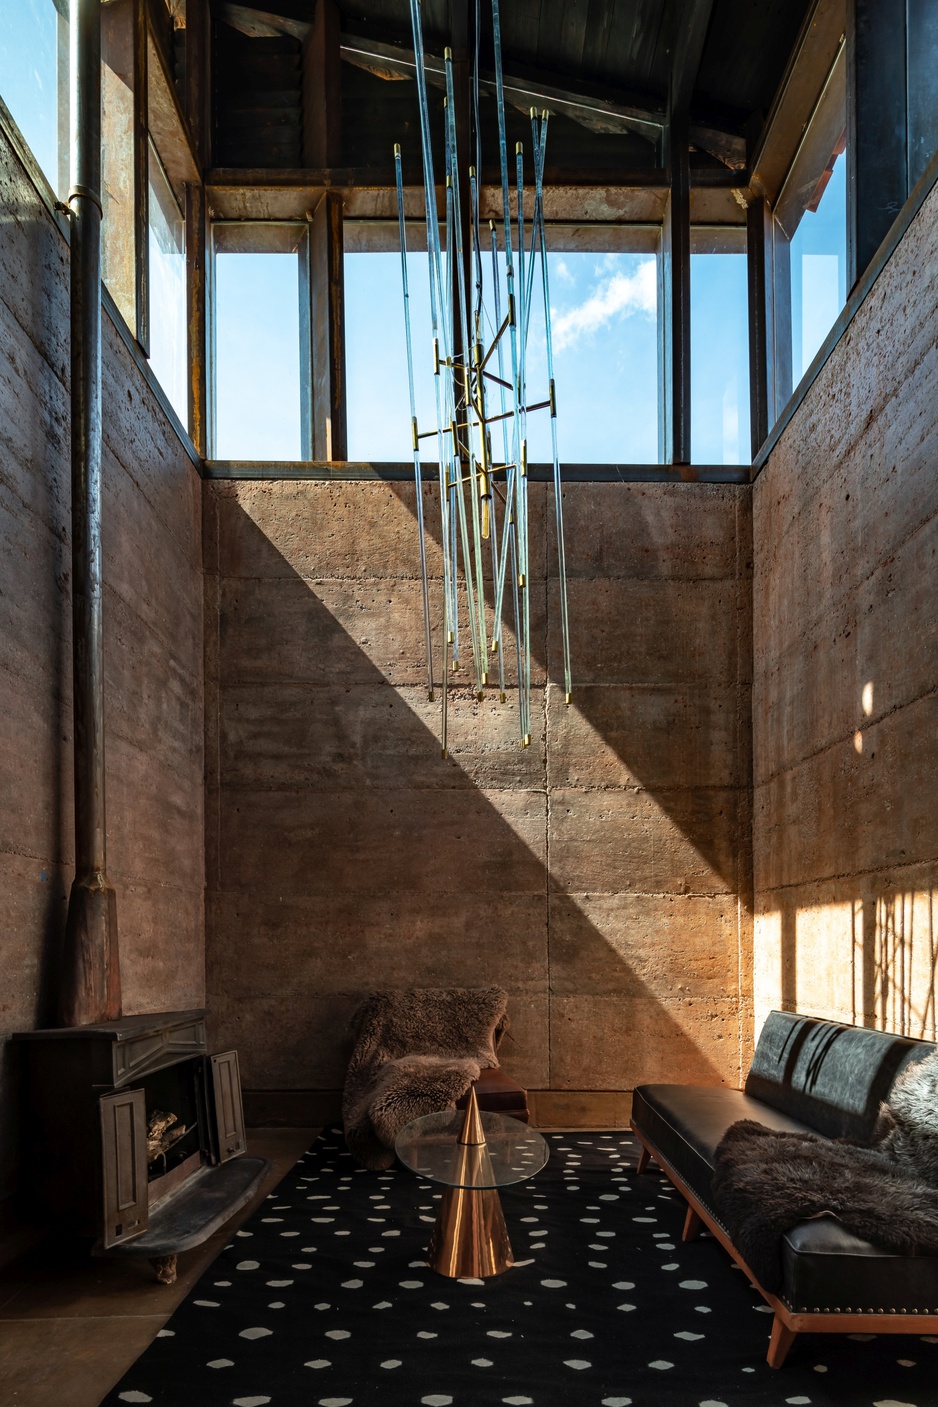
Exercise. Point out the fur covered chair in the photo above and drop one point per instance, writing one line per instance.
(417, 1052)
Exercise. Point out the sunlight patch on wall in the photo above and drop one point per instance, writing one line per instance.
(767, 973)
(870, 961)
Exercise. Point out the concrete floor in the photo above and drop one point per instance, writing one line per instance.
(70, 1326)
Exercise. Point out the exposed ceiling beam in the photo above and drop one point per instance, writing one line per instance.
(811, 61)
(293, 17)
(604, 114)
(365, 181)
(693, 23)
(599, 108)
(728, 147)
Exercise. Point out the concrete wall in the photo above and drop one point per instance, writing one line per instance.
(601, 876)
(845, 707)
(153, 647)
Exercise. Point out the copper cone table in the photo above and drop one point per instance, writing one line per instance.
(472, 1156)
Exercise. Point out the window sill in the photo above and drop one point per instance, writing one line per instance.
(345, 470)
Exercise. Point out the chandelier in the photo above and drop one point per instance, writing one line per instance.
(481, 303)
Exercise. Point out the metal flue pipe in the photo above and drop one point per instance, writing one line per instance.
(90, 986)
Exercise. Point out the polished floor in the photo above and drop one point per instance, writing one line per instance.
(70, 1327)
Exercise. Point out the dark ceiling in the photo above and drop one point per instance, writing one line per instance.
(627, 44)
(616, 60)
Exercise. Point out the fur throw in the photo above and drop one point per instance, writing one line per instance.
(416, 1052)
(907, 1130)
(766, 1182)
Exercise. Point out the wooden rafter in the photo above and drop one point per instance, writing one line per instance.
(600, 108)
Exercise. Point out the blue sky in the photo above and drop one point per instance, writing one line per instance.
(819, 271)
(257, 356)
(28, 77)
(719, 362)
(605, 357)
(604, 320)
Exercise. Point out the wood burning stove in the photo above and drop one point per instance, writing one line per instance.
(136, 1133)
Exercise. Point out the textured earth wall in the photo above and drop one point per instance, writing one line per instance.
(845, 705)
(601, 876)
(153, 654)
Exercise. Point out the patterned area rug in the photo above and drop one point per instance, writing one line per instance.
(324, 1300)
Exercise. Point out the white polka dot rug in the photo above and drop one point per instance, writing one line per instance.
(324, 1300)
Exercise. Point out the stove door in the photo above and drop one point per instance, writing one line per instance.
(124, 1166)
(226, 1113)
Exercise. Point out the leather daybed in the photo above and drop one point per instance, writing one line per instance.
(820, 1077)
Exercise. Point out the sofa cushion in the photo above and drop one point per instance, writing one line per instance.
(832, 1077)
(825, 1269)
(686, 1122)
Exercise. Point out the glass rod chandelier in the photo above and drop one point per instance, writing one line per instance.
(481, 315)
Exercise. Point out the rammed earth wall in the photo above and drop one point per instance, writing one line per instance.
(602, 875)
(153, 654)
(845, 694)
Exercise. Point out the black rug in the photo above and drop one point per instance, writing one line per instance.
(324, 1300)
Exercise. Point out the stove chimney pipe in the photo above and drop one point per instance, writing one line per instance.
(90, 987)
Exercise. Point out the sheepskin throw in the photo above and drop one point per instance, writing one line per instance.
(766, 1182)
(415, 1052)
(907, 1131)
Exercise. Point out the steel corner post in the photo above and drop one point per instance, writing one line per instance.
(90, 977)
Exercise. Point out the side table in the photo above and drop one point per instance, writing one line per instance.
(472, 1155)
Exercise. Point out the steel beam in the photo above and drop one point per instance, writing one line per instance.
(197, 262)
(141, 179)
(120, 250)
(322, 97)
(761, 291)
(694, 21)
(811, 61)
(396, 472)
(694, 17)
(322, 309)
(922, 101)
(877, 127)
(573, 197)
(676, 310)
(198, 104)
(600, 108)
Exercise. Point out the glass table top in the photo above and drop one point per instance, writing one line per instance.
(511, 1153)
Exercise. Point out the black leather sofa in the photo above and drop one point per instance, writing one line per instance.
(811, 1075)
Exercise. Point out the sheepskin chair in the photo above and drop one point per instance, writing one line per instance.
(416, 1052)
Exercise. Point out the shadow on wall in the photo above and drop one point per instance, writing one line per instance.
(35, 760)
(659, 587)
(344, 854)
(867, 958)
(35, 655)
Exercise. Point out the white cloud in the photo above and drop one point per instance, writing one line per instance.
(561, 268)
(621, 295)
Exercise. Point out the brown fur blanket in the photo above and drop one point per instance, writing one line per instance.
(415, 1052)
(766, 1182)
